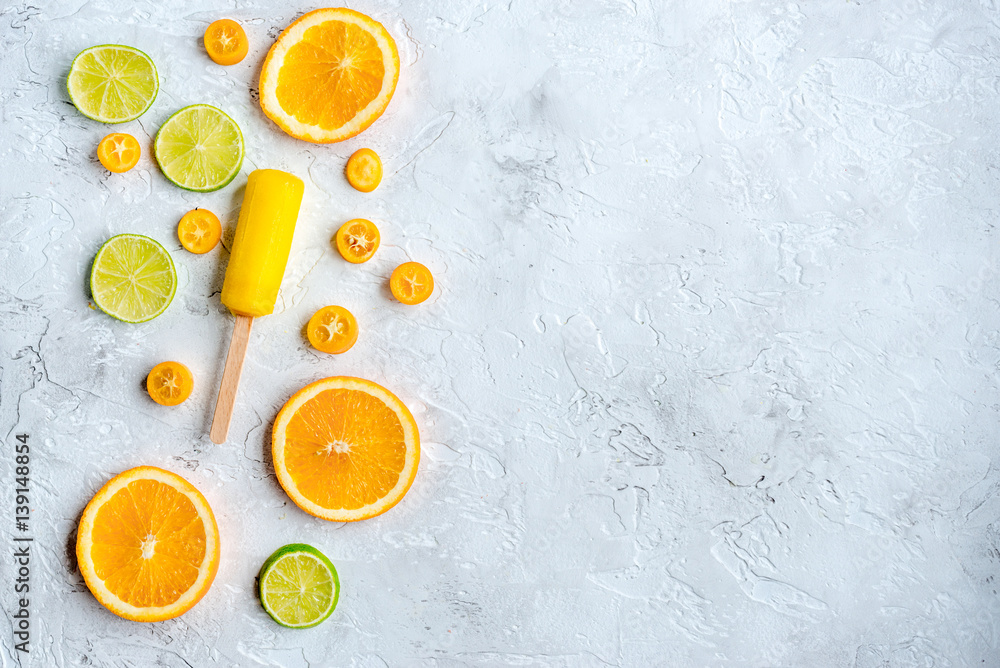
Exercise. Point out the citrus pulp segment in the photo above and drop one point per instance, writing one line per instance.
(112, 83)
(148, 545)
(345, 449)
(133, 278)
(329, 75)
(199, 148)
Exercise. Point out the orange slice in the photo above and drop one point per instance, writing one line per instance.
(226, 42)
(329, 75)
(332, 329)
(364, 170)
(345, 449)
(411, 283)
(118, 152)
(199, 230)
(169, 383)
(148, 545)
(357, 240)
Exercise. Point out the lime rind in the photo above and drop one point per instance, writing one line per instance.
(133, 278)
(130, 92)
(200, 148)
(298, 586)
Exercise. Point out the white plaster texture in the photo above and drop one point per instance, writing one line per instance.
(709, 377)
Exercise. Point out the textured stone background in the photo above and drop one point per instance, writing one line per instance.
(710, 377)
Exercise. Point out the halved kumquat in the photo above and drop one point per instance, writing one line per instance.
(199, 230)
(357, 240)
(364, 170)
(411, 283)
(332, 329)
(118, 152)
(226, 42)
(169, 383)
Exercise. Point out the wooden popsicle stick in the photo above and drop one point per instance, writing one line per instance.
(231, 378)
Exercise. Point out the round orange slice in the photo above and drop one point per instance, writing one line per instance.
(148, 545)
(329, 75)
(345, 449)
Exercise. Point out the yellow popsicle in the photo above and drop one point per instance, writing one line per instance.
(263, 239)
(256, 267)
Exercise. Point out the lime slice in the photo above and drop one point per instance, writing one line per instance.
(298, 586)
(199, 148)
(112, 83)
(133, 278)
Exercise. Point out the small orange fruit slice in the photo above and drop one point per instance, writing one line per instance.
(199, 230)
(332, 329)
(345, 449)
(169, 383)
(364, 170)
(329, 75)
(148, 545)
(226, 42)
(411, 283)
(357, 240)
(118, 152)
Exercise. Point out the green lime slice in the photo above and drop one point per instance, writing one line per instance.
(199, 148)
(298, 586)
(133, 278)
(112, 83)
